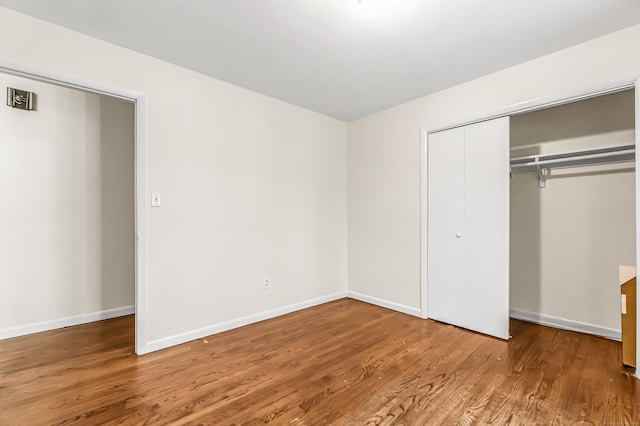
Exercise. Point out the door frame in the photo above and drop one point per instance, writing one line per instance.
(517, 109)
(140, 136)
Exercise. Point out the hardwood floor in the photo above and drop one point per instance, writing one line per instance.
(342, 363)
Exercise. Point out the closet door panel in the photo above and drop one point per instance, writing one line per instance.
(468, 227)
(486, 301)
(445, 223)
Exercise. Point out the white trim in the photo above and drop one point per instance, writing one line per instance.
(38, 327)
(565, 324)
(47, 76)
(71, 81)
(424, 182)
(141, 225)
(209, 330)
(537, 104)
(637, 131)
(409, 310)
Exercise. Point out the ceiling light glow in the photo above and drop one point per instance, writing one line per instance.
(383, 12)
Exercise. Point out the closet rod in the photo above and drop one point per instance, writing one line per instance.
(542, 163)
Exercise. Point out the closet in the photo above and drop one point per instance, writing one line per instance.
(529, 217)
(573, 212)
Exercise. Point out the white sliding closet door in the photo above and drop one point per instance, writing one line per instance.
(468, 227)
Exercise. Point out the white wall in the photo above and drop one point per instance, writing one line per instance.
(568, 239)
(67, 218)
(384, 153)
(251, 186)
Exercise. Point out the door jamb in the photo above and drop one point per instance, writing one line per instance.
(637, 137)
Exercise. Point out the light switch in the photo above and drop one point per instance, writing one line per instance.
(155, 199)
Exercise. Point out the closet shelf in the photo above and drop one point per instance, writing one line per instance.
(542, 163)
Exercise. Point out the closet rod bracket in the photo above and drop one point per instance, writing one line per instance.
(542, 177)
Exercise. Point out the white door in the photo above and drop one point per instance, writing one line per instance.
(468, 227)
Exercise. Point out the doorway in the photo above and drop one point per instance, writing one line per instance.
(72, 196)
(527, 107)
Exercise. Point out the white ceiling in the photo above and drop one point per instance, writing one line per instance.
(335, 57)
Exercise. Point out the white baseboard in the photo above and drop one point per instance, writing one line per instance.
(23, 330)
(188, 336)
(565, 324)
(385, 303)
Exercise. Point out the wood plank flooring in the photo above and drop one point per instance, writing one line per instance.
(341, 363)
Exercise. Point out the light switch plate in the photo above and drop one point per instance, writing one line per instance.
(155, 199)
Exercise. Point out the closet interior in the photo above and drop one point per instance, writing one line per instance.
(572, 212)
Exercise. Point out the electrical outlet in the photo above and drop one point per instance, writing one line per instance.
(266, 282)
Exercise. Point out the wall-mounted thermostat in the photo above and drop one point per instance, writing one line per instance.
(21, 99)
